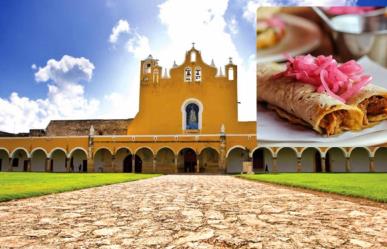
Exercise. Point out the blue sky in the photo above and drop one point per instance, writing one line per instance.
(98, 78)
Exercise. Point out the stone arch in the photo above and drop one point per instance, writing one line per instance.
(120, 165)
(103, 148)
(258, 147)
(165, 160)
(103, 160)
(262, 158)
(365, 148)
(75, 149)
(381, 159)
(209, 160)
(187, 160)
(38, 159)
(287, 159)
(20, 159)
(359, 159)
(56, 148)
(235, 158)
(78, 160)
(335, 159)
(18, 149)
(234, 147)
(58, 160)
(311, 160)
(146, 155)
(4, 159)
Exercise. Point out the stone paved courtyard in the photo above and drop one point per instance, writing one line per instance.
(188, 211)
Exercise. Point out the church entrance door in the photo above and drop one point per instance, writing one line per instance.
(190, 162)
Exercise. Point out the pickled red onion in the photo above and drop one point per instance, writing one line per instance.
(341, 81)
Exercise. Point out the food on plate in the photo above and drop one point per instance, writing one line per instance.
(270, 28)
(321, 93)
(300, 103)
(372, 100)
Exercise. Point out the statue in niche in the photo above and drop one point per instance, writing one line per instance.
(192, 111)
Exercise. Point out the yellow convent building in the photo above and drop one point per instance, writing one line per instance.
(187, 122)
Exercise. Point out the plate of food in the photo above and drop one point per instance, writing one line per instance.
(278, 34)
(317, 99)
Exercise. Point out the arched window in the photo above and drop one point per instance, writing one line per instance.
(192, 117)
(198, 74)
(191, 111)
(193, 56)
(187, 74)
(230, 73)
(147, 67)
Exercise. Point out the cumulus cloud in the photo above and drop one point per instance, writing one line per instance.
(121, 27)
(206, 25)
(138, 45)
(34, 67)
(65, 97)
(68, 69)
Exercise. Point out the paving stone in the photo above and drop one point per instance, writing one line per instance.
(190, 211)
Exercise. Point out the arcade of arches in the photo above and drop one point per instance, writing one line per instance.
(287, 159)
(187, 160)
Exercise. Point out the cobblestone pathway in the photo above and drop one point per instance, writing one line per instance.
(187, 211)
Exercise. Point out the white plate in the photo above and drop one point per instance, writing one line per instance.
(301, 36)
(272, 129)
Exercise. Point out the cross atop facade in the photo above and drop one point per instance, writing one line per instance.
(230, 59)
(193, 45)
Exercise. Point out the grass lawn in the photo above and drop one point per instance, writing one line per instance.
(16, 185)
(367, 185)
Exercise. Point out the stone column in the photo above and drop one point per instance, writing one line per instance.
(10, 164)
(323, 168)
(68, 166)
(274, 164)
(347, 164)
(372, 165)
(90, 164)
(133, 163)
(299, 165)
(176, 169)
(222, 151)
(154, 165)
(197, 164)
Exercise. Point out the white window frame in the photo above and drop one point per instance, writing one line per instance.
(185, 75)
(184, 114)
(231, 74)
(200, 74)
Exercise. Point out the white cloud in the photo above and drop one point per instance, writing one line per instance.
(68, 69)
(122, 26)
(65, 98)
(206, 25)
(34, 67)
(139, 46)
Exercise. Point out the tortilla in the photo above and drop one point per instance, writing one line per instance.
(372, 101)
(300, 103)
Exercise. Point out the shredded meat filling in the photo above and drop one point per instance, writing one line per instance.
(332, 122)
(373, 106)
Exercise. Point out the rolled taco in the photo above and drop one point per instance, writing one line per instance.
(300, 103)
(372, 101)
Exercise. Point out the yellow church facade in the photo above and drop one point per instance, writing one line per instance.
(187, 122)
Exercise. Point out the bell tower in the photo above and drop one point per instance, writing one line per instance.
(150, 71)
